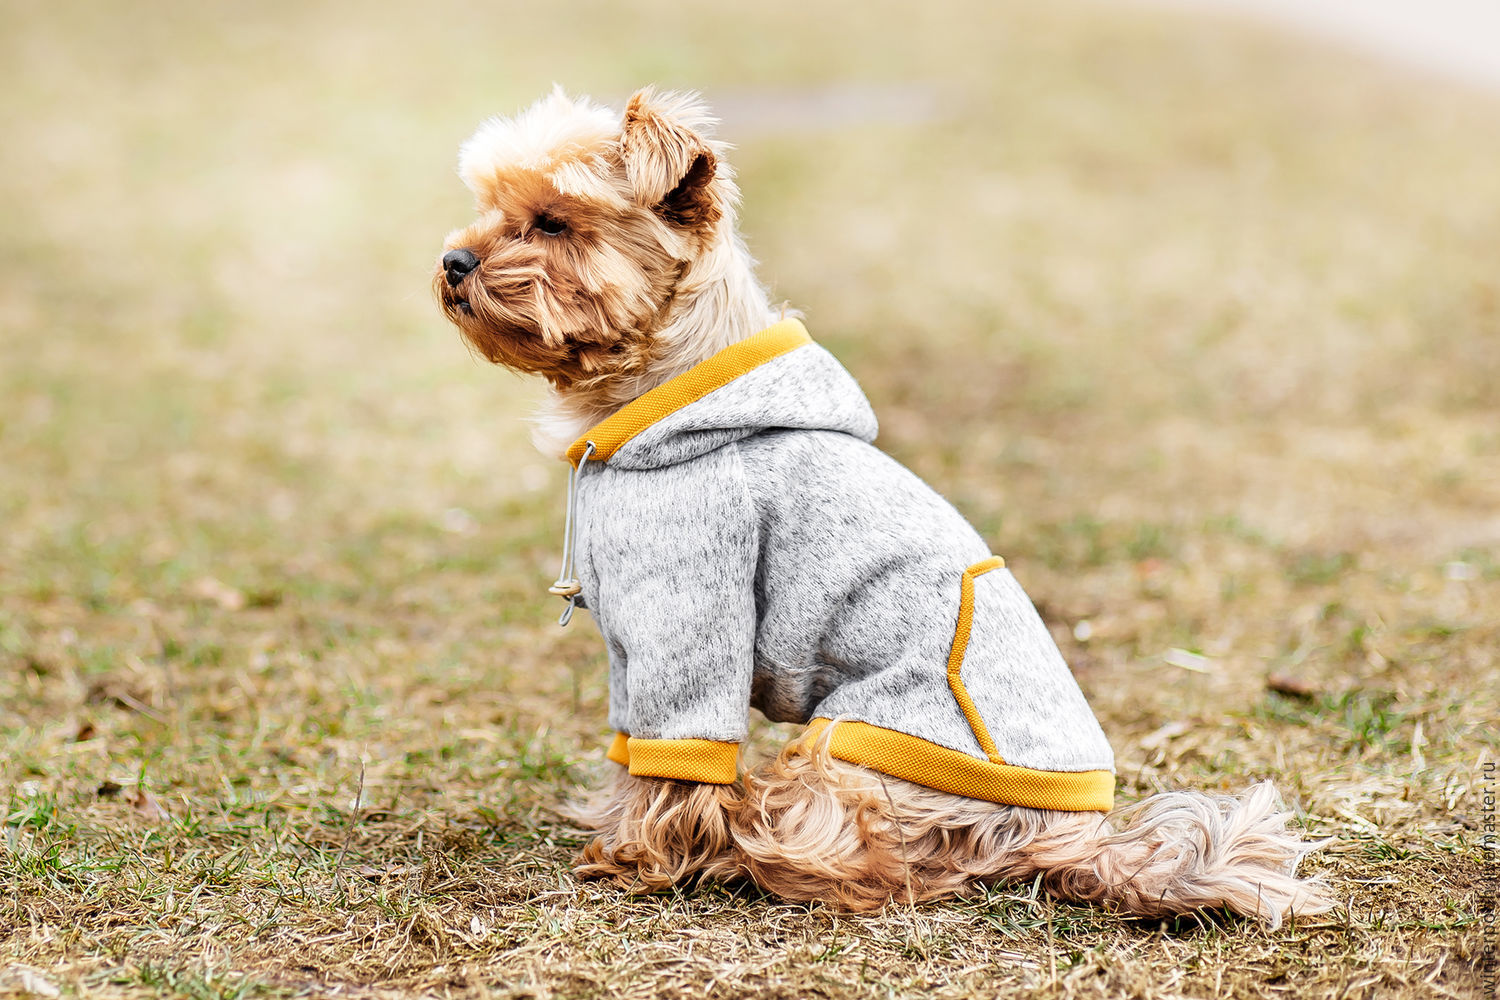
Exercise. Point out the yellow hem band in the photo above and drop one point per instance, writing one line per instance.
(619, 750)
(924, 763)
(708, 761)
(611, 433)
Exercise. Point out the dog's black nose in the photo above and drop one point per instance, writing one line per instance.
(458, 263)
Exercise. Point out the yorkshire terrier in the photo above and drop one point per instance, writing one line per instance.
(740, 543)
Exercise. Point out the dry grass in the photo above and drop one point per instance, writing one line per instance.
(1201, 326)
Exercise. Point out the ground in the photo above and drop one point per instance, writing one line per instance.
(1199, 325)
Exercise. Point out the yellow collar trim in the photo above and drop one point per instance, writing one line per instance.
(611, 433)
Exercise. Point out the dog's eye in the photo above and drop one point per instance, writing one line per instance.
(549, 225)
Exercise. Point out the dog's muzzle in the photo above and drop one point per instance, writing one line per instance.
(457, 264)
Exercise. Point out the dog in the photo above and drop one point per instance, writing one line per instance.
(741, 543)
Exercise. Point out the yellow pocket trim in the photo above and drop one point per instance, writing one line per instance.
(610, 434)
(923, 763)
(689, 760)
(960, 646)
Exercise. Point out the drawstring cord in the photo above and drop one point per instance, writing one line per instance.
(566, 584)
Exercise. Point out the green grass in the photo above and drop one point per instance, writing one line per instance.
(1196, 323)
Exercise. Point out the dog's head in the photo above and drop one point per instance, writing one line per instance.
(587, 222)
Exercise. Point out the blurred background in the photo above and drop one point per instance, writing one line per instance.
(1194, 312)
(1162, 299)
(1135, 233)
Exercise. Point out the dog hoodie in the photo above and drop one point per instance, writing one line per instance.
(740, 542)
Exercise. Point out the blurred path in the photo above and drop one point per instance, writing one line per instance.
(775, 111)
(1457, 38)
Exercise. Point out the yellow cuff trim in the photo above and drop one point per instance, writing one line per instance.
(960, 646)
(610, 434)
(619, 750)
(689, 760)
(917, 760)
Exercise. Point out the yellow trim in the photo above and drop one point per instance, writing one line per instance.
(619, 750)
(610, 434)
(690, 760)
(960, 646)
(924, 763)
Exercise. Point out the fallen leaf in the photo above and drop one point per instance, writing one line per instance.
(1289, 684)
(370, 871)
(1187, 660)
(148, 804)
(27, 982)
(209, 589)
(1164, 734)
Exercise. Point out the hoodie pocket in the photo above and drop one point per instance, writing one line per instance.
(1010, 680)
(959, 653)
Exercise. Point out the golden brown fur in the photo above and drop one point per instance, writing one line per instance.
(656, 833)
(606, 260)
(649, 277)
(813, 827)
(550, 306)
(807, 826)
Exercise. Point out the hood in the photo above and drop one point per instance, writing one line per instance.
(777, 379)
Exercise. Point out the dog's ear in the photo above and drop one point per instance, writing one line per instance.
(667, 159)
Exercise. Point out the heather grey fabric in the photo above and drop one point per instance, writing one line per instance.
(754, 549)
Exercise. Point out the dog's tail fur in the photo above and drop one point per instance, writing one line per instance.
(812, 827)
(1177, 852)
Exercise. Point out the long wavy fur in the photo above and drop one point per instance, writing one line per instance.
(809, 827)
(653, 833)
(812, 827)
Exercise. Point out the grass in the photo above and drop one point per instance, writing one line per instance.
(1198, 324)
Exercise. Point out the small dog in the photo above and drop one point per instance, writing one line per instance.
(739, 542)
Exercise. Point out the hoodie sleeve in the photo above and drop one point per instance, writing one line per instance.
(675, 556)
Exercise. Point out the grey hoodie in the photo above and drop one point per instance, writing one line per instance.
(741, 543)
